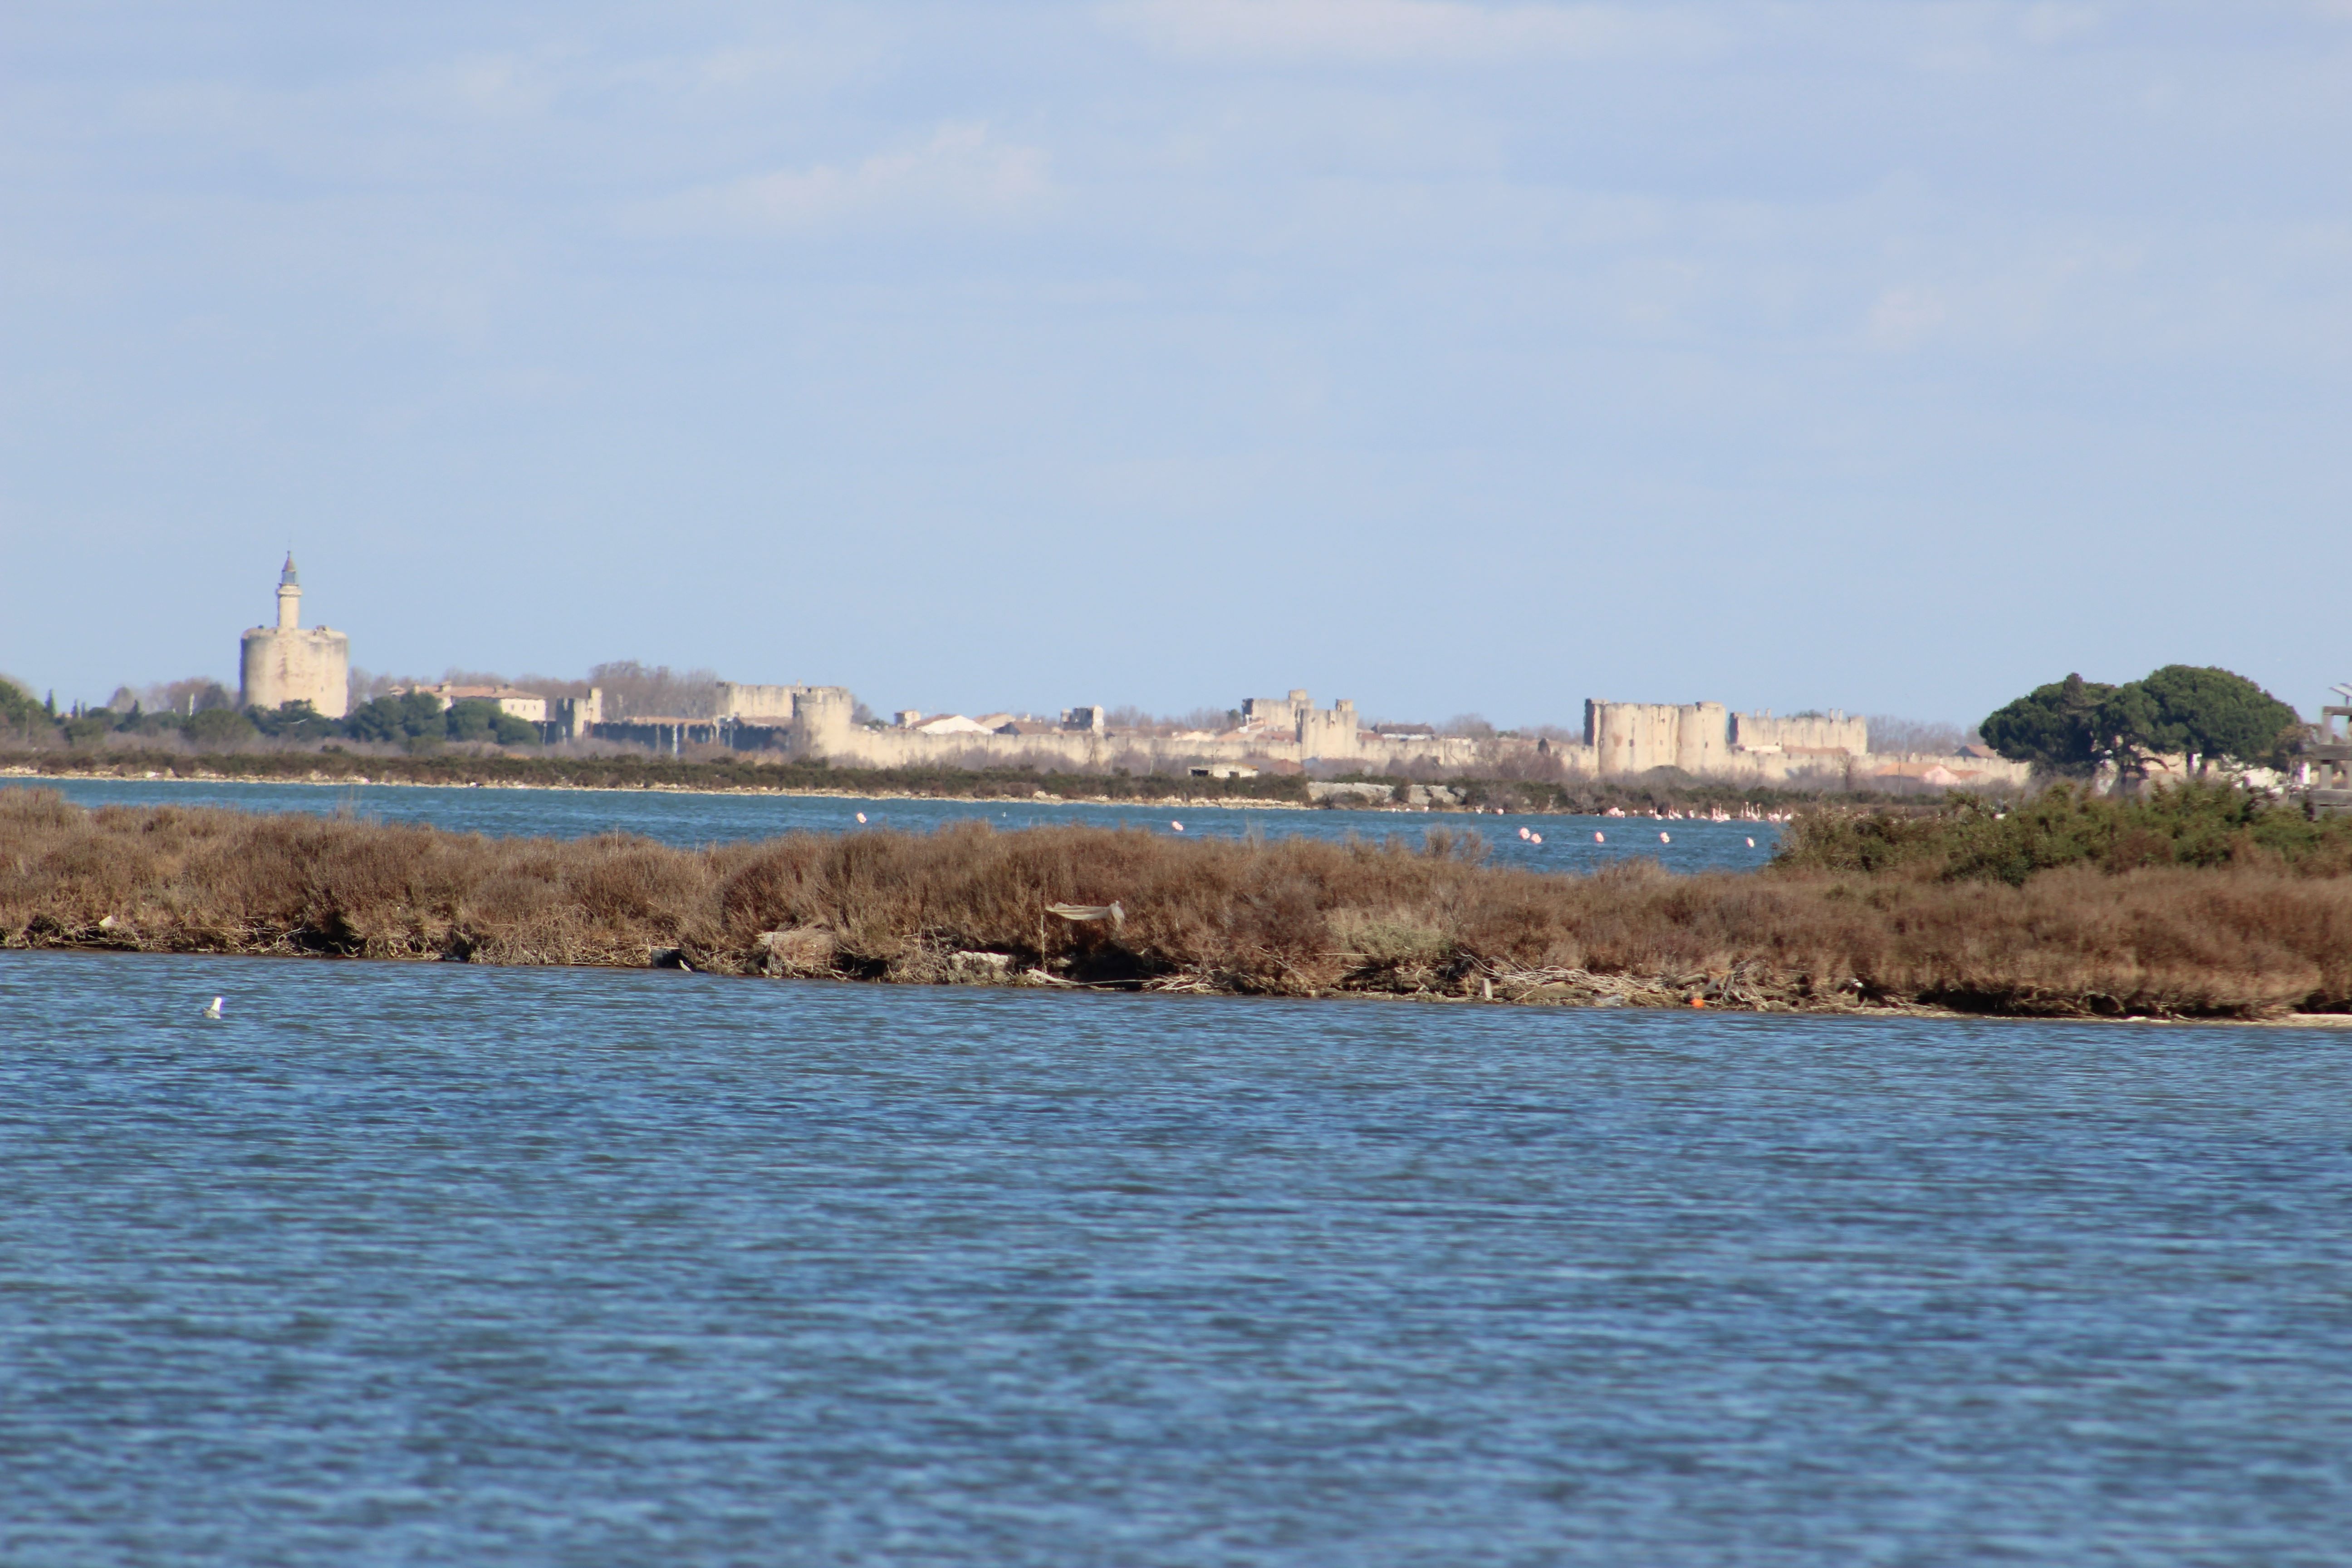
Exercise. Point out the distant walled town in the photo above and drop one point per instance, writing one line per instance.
(1288, 734)
(287, 670)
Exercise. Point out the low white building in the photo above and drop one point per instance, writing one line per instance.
(512, 700)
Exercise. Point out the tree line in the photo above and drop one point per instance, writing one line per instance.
(2073, 727)
(412, 718)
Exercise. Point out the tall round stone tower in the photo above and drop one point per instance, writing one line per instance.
(284, 664)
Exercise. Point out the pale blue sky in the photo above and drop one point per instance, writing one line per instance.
(1448, 357)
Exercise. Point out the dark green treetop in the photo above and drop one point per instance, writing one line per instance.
(478, 719)
(296, 721)
(411, 716)
(2206, 711)
(2072, 726)
(17, 708)
(2053, 725)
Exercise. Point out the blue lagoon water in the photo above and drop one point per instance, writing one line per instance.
(686, 819)
(431, 1264)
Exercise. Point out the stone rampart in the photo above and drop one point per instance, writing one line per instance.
(575, 718)
(771, 704)
(1877, 771)
(1622, 740)
(1831, 732)
(1634, 736)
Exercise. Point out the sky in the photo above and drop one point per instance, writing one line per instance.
(1448, 357)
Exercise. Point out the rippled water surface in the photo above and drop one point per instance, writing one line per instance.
(677, 817)
(434, 1264)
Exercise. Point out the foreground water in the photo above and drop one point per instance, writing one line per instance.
(1567, 843)
(433, 1264)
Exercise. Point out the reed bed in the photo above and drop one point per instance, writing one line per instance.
(1284, 917)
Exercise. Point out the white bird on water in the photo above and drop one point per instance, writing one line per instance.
(1177, 825)
(214, 1011)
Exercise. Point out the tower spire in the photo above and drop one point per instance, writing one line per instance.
(289, 596)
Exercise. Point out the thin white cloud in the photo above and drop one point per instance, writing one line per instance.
(502, 87)
(2001, 293)
(2055, 23)
(960, 174)
(1905, 318)
(1405, 30)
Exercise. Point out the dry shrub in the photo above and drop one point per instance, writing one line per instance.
(2243, 935)
(769, 887)
(807, 951)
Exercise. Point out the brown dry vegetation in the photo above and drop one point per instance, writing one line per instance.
(1288, 917)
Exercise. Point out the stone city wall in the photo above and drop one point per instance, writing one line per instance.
(1704, 739)
(759, 704)
(1634, 736)
(1623, 739)
(1877, 770)
(575, 718)
(1831, 732)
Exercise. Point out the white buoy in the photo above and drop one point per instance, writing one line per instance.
(1599, 838)
(1666, 838)
(215, 1010)
(1535, 838)
(1751, 844)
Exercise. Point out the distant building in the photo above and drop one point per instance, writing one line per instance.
(1276, 713)
(512, 700)
(284, 663)
(1706, 740)
(575, 718)
(1287, 735)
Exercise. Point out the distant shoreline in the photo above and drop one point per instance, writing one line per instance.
(1077, 906)
(632, 775)
(371, 781)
